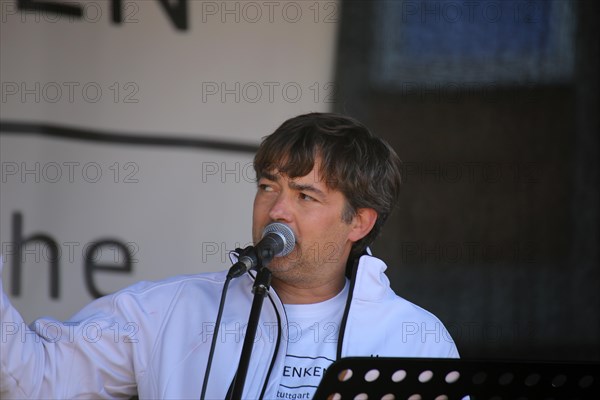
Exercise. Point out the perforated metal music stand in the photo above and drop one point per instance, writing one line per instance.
(447, 379)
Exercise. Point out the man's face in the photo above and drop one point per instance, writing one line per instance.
(314, 213)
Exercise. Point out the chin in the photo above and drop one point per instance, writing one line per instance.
(277, 264)
(282, 263)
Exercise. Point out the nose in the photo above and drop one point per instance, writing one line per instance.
(281, 209)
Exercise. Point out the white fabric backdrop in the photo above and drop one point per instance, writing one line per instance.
(233, 75)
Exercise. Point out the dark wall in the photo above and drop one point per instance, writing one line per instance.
(496, 231)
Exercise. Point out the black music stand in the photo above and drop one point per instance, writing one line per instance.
(447, 379)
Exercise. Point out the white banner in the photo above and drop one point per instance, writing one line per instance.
(127, 134)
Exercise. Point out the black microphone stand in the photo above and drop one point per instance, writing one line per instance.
(262, 284)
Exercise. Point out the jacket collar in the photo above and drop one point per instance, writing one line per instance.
(371, 283)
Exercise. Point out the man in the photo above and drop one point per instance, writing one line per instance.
(334, 184)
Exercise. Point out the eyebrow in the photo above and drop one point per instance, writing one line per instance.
(306, 188)
(269, 176)
(294, 185)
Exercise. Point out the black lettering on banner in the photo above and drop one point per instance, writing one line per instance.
(49, 250)
(53, 7)
(176, 11)
(17, 261)
(91, 266)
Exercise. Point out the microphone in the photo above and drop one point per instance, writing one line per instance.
(278, 240)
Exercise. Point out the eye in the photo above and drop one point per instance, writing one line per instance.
(306, 197)
(265, 187)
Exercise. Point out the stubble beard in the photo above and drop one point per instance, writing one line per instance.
(293, 270)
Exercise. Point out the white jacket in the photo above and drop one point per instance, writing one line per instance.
(153, 339)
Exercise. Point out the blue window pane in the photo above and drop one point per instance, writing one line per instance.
(446, 40)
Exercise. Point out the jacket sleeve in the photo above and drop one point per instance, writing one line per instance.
(91, 356)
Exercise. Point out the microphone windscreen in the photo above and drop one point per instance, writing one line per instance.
(287, 235)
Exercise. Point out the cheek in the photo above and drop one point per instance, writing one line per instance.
(255, 217)
(335, 233)
(260, 208)
(254, 206)
(323, 229)
(260, 216)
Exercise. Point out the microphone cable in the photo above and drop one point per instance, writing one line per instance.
(213, 343)
(232, 273)
(278, 240)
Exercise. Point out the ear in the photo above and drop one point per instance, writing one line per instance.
(362, 223)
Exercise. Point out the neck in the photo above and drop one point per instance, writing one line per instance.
(294, 293)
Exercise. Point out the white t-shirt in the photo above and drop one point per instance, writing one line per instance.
(313, 331)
